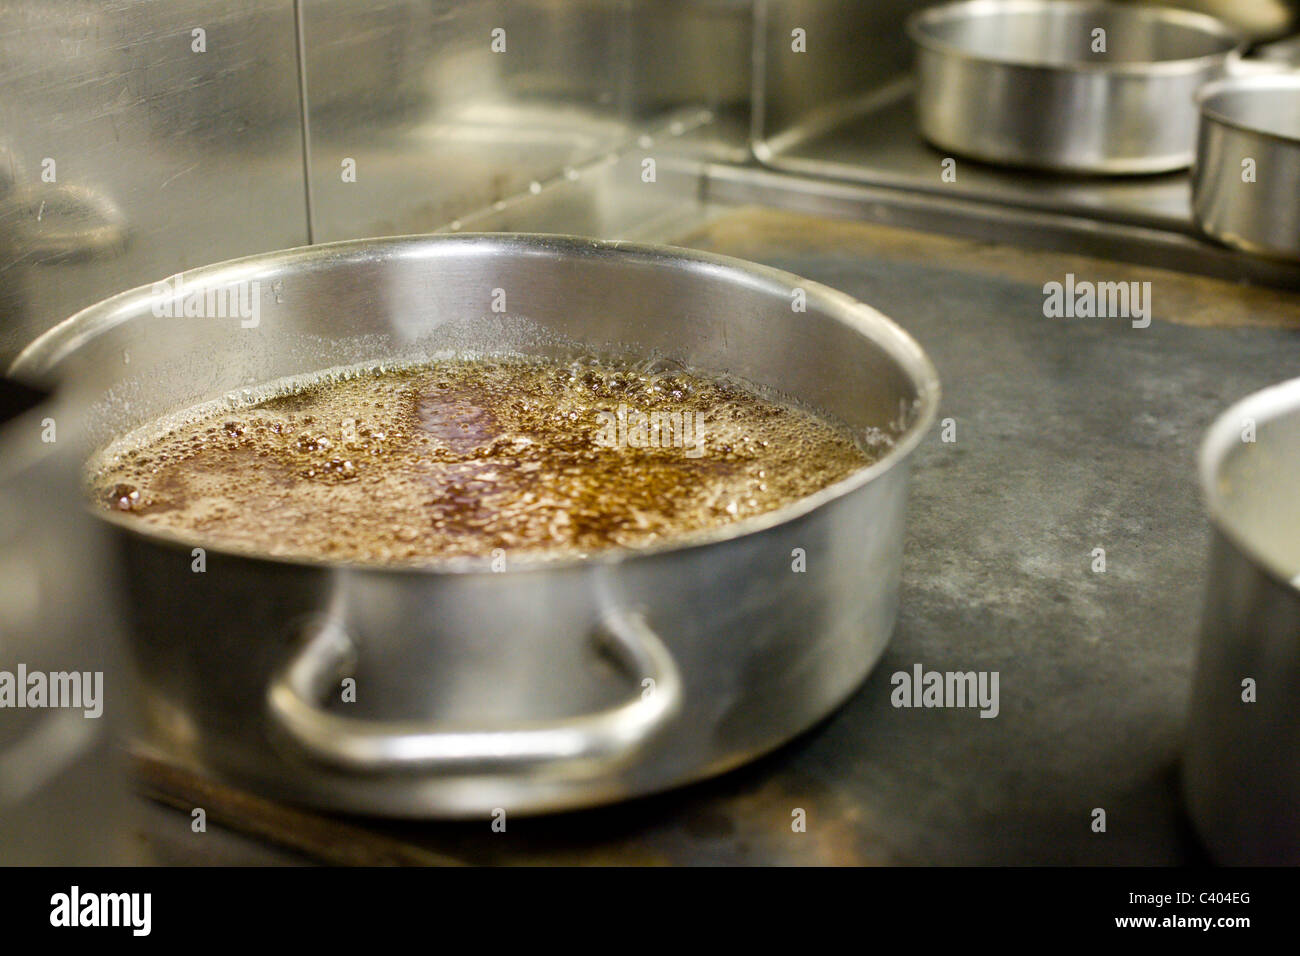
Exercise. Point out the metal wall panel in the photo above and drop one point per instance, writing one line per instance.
(437, 123)
(852, 48)
(164, 158)
(441, 126)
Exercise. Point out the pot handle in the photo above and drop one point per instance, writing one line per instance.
(586, 742)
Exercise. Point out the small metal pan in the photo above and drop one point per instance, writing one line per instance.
(1066, 86)
(1246, 182)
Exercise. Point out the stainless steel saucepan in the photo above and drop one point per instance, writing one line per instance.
(1066, 86)
(1242, 762)
(550, 684)
(1246, 182)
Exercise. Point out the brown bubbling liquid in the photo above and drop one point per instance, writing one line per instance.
(461, 457)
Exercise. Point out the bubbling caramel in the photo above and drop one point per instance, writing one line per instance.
(464, 457)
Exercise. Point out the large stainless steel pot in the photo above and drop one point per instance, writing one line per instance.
(1017, 82)
(1246, 182)
(1242, 764)
(478, 690)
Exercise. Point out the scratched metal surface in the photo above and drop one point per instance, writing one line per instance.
(1071, 435)
(163, 158)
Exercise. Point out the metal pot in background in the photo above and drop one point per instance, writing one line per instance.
(1016, 82)
(478, 689)
(1241, 773)
(1246, 181)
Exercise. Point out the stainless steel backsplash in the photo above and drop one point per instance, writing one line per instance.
(130, 151)
(127, 156)
(849, 48)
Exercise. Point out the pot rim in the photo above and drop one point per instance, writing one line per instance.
(1221, 438)
(1211, 26)
(42, 356)
(1286, 82)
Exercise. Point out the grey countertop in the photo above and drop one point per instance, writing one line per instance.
(1071, 435)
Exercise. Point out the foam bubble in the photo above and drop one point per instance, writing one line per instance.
(462, 456)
